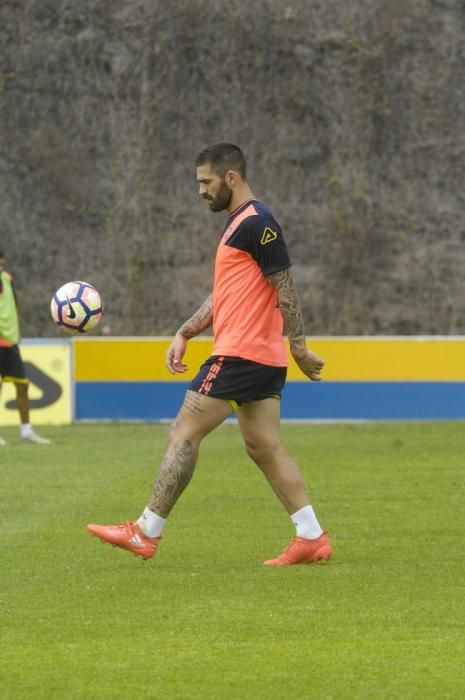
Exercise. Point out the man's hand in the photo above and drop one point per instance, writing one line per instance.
(309, 363)
(175, 353)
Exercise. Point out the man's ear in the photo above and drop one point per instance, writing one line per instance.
(231, 178)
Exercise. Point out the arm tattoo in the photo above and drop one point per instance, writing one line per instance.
(175, 472)
(289, 304)
(203, 318)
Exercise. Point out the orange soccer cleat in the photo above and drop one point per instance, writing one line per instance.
(127, 536)
(303, 551)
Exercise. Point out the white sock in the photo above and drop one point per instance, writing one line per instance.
(150, 523)
(306, 524)
(26, 430)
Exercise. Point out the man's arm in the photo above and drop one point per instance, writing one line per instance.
(288, 300)
(203, 318)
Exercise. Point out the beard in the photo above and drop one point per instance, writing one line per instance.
(222, 198)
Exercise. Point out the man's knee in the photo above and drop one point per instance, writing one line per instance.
(22, 388)
(262, 449)
(182, 430)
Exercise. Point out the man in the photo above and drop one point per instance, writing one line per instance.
(11, 364)
(253, 293)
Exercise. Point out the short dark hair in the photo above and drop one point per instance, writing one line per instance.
(223, 157)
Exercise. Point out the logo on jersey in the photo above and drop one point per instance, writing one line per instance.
(268, 236)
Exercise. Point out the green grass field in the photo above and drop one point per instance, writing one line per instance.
(204, 619)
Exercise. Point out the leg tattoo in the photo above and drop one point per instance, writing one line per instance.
(192, 402)
(175, 472)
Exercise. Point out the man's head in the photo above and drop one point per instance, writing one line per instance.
(221, 169)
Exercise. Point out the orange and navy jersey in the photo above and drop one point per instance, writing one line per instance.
(247, 321)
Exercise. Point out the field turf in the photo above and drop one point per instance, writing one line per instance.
(204, 619)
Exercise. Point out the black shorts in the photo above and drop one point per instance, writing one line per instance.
(238, 380)
(12, 367)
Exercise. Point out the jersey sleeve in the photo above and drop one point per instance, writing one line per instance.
(264, 240)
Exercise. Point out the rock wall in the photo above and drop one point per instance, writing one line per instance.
(351, 116)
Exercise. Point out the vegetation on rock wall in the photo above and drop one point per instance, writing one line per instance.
(351, 116)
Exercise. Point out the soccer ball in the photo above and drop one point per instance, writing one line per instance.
(76, 307)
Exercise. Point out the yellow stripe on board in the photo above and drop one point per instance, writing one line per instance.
(389, 359)
(133, 359)
(347, 359)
